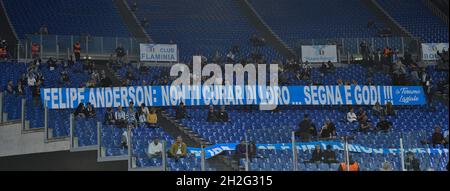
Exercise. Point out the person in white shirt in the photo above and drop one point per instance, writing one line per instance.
(144, 109)
(351, 116)
(155, 148)
(120, 117)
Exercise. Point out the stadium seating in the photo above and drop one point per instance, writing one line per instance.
(96, 18)
(417, 19)
(200, 27)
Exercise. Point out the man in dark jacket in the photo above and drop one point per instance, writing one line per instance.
(304, 129)
(412, 163)
(181, 111)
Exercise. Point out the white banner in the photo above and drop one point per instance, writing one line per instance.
(319, 53)
(429, 50)
(159, 52)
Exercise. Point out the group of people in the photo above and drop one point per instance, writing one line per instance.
(307, 130)
(217, 116)
(132, 117)
(365, 124)
(83, 111)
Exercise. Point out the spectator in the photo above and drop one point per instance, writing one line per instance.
(77, 51)
(364, 126)
(304, 130)
(328, 130)
(223, 115)
(3, 50)
(240, 151)
(10, 87)
(351, 116)
(152, 118)
(80, 111)
(141, 118)
(35, 50)
(446, 137)
(212, 117)
(354, 166)
(384, 125)
(412, 163)
(437, 138)
(377, 109)
(90, 111)
(124, 139)
(329, 156)
(390, 111)
(64, 78)
(120, 53)
(155, 148)
(340, 82)
(231, 57)
(317, 155)
(362, 115)
(131, 115)
(386, 166)
(109, 116)
(120, 117)
(178, 149)
(181, 112)
(20, 89)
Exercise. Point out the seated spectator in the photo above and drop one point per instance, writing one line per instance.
(212, 117)
(222, 115)
(90, 111)
(109, 116)
(141, 118)
(390, 111)
(351, 116)
(252, 150)
(377, 109)
(178, 149)
(329, 156)
(155, 148)
(124, 140)
(144, 109)
(240, 151)
(412, 163)
(386, 166)
(364, 126)
(384, 125)
(152, 118)
(340, 82)
(304, 129)
(10, 87)
(437, 138)
(80, 111)
(354, 166)
(328, 130)
(20, 89)
(362, 115)
(316, 155)
(120, 117)
(181, 111)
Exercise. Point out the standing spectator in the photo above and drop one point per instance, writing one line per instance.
(351, 116)
(131, 115)
(178, 149)
(354, 166)
(152, 118)
(304, 130)
(77, 51)
(240, 151)
(412, 163)
(386, 166)
(120, 53)
(35, 50)
(109, 116)
(437, 138)
(155, 148)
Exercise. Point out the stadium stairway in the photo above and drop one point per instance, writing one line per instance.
(191, 139)
(131, 21)
(377, 10)
(271, 37)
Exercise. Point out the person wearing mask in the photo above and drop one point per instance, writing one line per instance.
(222, 115)
(351, 116)
(353, 165)
(384, 125)
(120, 117)
(181, 112)
(155, 148)
(178, 149)
(304, 129)
(212, 117)
(412, 163)
(329, 156)
(109, 116)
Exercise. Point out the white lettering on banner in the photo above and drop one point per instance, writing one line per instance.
(116, 93)
(108, 97)
(159, 52)
(347, 95)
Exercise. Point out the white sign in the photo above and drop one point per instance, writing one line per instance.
(429, 50)
(319, 53)
(159, 52)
